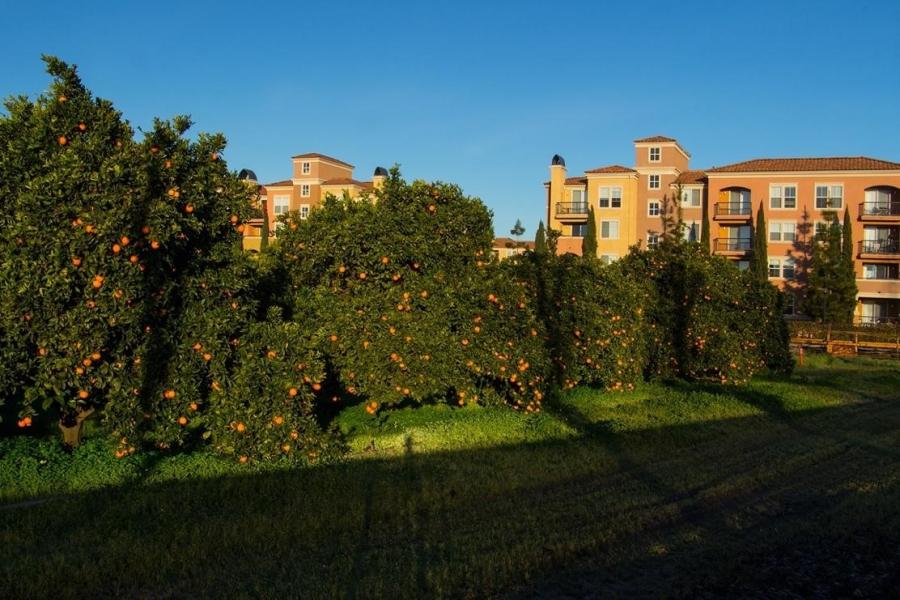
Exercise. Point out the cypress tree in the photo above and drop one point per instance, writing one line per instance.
(847, 242)
(589, 242)
(831, 295)
(704, 233)
(759, 259)
(540, 240)
(264, 233)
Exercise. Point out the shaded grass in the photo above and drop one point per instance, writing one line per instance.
(674, 490)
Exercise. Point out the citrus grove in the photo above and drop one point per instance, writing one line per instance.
(126, 299)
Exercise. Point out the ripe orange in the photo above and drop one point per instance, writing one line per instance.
(362, 275)
(76, 261)
(333, 338)
(98, 281)
(62, 140)
(42, 352)
(385, 260)
(87, 362)
(189, 208)
(240, 427)
(133, 258)
(193, 406)
(243, 459)
(154, 245)
(424, 294)
(82, 126)
(125, 241)
(198, 346)
(168, 164)
(278, 419)
(317, 386)
(116, 248)
(341, 269)
(169, 394)
(96, 356)
(465, 342)
(62, 98)
(154, 150)
(215, 156)
(234, 219)
(271, 354)
(240, 229)
(207, 356)
(292, 392)
(294, 435)
(83, 394)
(79, 371)
(182, 420)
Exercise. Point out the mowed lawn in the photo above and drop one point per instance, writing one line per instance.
(787, 488)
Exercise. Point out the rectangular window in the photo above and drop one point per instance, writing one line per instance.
(782, 196)
(782, 232)
(281, 205)
(743, 265)
(577, 196)
(609, 230)
(579, 229)
(655, 153)
(653, 208)
(652, 240)
(610, 197)
(304, 211)
(691, 231)
(829, 197)
(304, 190)
(304, 168)
(653, 182)
(608, 259)
(876, 271)
(691, 198)
(774, 267)
(787, 268)
(790, 302)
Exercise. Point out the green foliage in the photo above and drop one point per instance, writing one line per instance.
(704, 233)
(759, 253)
(589, 242)
(540, 240)
(404, 319)
(831, 291)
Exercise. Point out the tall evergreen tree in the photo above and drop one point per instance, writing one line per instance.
(831, 293)
(847, 241)
(589, 242)
(759, 259)
(540, 240)
(704, 233)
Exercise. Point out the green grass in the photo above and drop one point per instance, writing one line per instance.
(789, 486)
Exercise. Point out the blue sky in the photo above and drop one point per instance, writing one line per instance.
(483, 93)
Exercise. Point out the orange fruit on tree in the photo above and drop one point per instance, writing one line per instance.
(182, 420)
(243, 459)
(133, 259)
(362, 275)
(333, 338)
(317, 386)
(82, 126)
(271, 354)
(207, 356)
(278, 419)
(193, 406)
(294, 435)
(83, 394)
(145, 230)
(97, 282)
(76, 261)
(169, 394)
(62, 140)
(154, 245)
(116, 248)
(240, 427)
(385, 260)
(124, 240)
(168, 164)
(154, 150)
(292, 392)
(240, 229)
(341, 269)
(234, 219)
(96, 356)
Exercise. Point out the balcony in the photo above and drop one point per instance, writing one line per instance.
(733, 245)
(572, 211)
(879, 211)
(873, 321)
(887, 248)
(732, 211)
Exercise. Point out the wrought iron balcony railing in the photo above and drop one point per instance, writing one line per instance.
(733, 244)
(888, 246)
(571, 208)
(732, 209)
(880, 209)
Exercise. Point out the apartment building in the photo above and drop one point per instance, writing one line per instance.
(314, 176)
(797, 196)
(504, 247)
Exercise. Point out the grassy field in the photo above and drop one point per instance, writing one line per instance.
(786, 488)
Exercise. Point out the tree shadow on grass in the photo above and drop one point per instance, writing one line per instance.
(609, 512)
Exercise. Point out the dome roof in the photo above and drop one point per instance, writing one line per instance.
(558, 160)
(247, 174)
(381, 172)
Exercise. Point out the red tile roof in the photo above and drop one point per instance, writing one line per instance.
(323, 156)
(505, 242)
(279, 183)
(655, 138)
(688, 177)
(835, 163)
(612, 169)
(576, 180)
(342, 181)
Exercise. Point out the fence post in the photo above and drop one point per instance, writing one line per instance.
(801, 356)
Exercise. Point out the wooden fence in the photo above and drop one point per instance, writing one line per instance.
(845, 339)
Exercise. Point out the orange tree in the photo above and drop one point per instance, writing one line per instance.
(706, 319)
(122, 283)
(409, 305)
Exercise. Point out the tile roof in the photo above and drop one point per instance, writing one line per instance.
(279, 183)
(323, 156)
(342, 181)
(688, 177)
(576, 180)
(834, 163)
(655, 138)
(505, 242)
(612, 169)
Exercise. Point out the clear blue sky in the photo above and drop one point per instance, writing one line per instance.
(483, 93)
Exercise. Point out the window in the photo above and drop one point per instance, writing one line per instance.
(875, 271)
(655, 153)
(577, 196)
(783, 196)
(653, 208)
(781, 267)
(652, 240)
(790, 304)
(782, 232)
(610, 197)
(743, 265)
(691, 198)
(691, 231)
(304, 190)
(821, 228)
(829, 197)
(608, 259)
(281, 205)
(304, 211)
(579, 230)
(304, 168)
(653, 182)
(609, 230)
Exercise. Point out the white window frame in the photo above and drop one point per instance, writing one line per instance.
(611, 194)
(687, 198)
(650, 204)
(781, 232)
(304, 211)
(874, 269)
(652, 239)
(650, 185)
(305, 190)
(781, 197)
(658, 150)
(572, 196)
(607, 222)
(282, 202)
(305, 168)
(690, 226)
(574, 225)
(829, 198)
(608, 259)
(782, 265)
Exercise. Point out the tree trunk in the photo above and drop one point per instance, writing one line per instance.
(71, 425)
